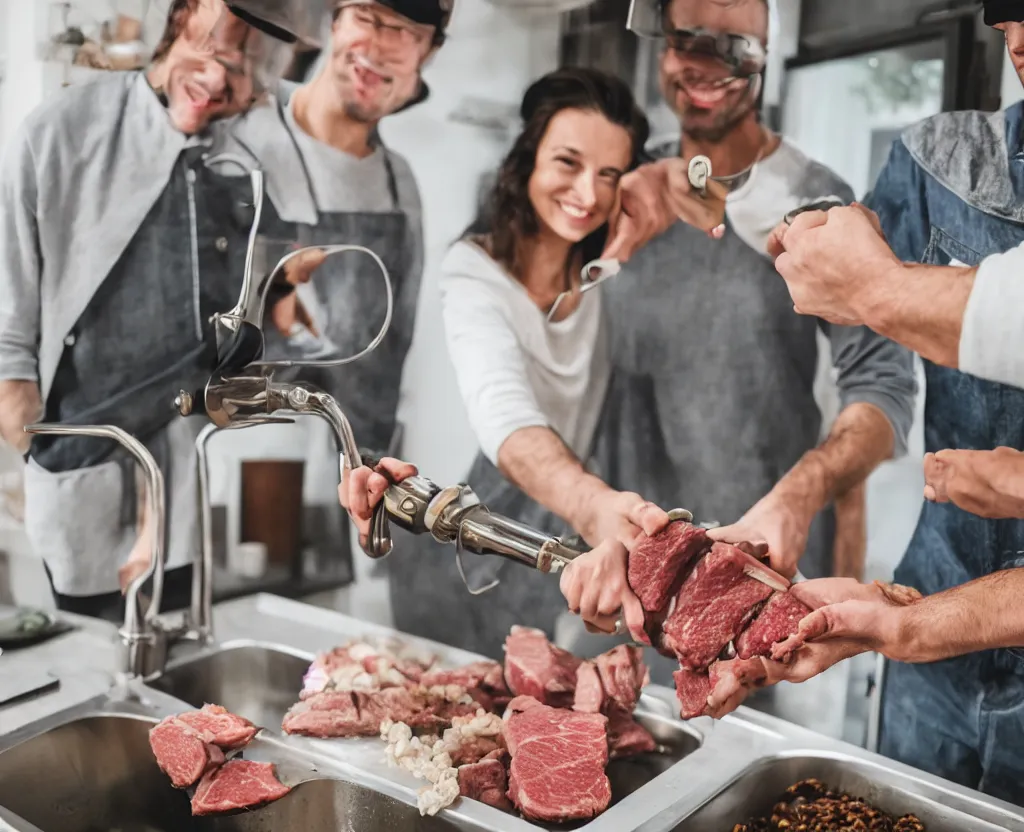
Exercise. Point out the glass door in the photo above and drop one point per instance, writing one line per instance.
(847, 112)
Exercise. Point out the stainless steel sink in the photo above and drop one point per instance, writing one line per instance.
(332, 806)
(254, 681)
(754, 793)
(89, 775)
(98, 774)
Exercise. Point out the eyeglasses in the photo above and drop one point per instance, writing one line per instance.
(411, 35)
(743, 54)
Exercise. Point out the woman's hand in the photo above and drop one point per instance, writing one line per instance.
(596, 588)
(362, 489)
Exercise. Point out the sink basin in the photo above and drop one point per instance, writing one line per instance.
(754, 793)
(89, 775)
(331, 806)
(98, 774)
(253, 681)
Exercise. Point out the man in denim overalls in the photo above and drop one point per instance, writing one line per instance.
(952, 193)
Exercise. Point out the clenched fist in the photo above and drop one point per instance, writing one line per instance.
(987, 483)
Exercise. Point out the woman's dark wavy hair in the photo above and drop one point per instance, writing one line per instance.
(508, 217)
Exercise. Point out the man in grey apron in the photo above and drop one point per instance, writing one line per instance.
(712, 404)
(118, 244)
(331, 180)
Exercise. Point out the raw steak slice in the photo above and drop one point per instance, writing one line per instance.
(218, 726)
(692, 690)
(713, 606)
(623, 675)
(558, 764)
(238, 784)
(627, 737)
(181, 753)
(486, 674)
(486, 781)
(658, 565)
(535, 667)
(779, 619)
(589, 697)
(324, 715)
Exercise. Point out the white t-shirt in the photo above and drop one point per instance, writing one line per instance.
(777, 185)
(992, 339)
(514, 369)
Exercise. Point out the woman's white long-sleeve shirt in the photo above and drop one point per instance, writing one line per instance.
(992, 339)
(514, 369)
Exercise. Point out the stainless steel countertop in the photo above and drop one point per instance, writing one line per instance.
(86, 662)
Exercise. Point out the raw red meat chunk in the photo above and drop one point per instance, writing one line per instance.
(487, 780)
(220, 727)
(484, 681)
(182, 754)
(627, 737)
(335, 714)
(779, 619)
(713, 606)
(535, 667)
(558, 763)
(238, 784)
(658, 565)
(693, 687)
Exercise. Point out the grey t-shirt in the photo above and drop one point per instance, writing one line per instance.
(341, 181)
(712, 398)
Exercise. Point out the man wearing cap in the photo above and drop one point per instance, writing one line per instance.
(712, 404)
(331, 179)
(117, 244)
(950, 203)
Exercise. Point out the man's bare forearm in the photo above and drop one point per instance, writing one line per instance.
(539, 463)
(859, 441)
(985, 614)
(20, 405)
(922, 308)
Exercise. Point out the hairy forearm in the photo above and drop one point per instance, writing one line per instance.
(981, 615)
(850, 549)
(20, 405)
(859, 441)
(922, 308)
(539, 463)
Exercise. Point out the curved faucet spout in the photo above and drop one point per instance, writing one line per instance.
(139, 628)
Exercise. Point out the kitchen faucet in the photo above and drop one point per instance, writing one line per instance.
(144, 637)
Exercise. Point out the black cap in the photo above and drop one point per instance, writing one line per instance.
(436, 13)
(277, 19)
(1003, 11)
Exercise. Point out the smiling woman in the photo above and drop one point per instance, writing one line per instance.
(532, 387)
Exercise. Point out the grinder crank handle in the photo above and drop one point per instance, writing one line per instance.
(455, 515)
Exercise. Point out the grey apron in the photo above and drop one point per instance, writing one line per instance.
(429, 598)
(144, 335)
(349, 292)
(712, 394)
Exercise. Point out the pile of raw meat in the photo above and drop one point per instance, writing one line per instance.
(812, 806)
(536, 734)
(703, 607)
(190, 749)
